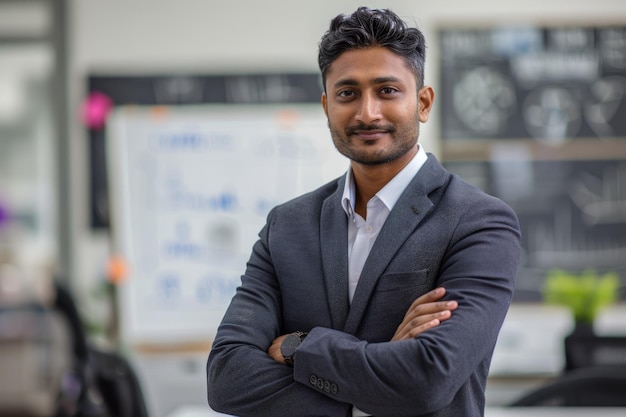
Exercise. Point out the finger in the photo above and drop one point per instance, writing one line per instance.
(418, 322)
(426, 304)
(429, 297)
(430, 308)
(408, 332)
(421, 323)
(433, 295)
(416, 331)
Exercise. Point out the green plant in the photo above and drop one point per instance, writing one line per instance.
(585, 294)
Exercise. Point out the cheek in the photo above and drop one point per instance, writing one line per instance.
(338, 117)
(401, 110)
(404, 116)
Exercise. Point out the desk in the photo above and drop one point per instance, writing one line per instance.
(554, 412)
(196, 411)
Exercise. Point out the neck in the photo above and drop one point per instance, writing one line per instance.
(369, 179)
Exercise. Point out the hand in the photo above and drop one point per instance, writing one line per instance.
(274, 349)
(425, 313)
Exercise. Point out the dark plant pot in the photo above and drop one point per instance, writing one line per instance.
(583, 329)
(584, 348)
(577, 346)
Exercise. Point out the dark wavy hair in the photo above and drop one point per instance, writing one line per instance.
(372, 27)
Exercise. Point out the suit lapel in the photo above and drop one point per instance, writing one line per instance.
(334, 249)
(412, 206)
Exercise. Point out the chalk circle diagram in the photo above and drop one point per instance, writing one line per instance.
(552, 115)
(483, 100)
(607, 95)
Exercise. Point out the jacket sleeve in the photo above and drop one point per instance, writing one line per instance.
(418, 376)
(242, 378)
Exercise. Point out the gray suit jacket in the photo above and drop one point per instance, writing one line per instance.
(441, 232)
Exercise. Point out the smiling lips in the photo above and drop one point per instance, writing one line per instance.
(369, 132)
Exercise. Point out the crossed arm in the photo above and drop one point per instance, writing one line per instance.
(425, 313)
(428, 353)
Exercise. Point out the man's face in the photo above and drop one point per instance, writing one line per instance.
(373, 106)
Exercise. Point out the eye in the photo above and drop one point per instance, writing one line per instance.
(345, 95)
(388, 90)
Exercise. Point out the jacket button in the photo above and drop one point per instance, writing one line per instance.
(320, 383)
(326, 386)
(313, 380)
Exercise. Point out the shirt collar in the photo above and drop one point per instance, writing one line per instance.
(391, 192)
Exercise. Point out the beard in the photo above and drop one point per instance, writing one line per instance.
(403, 139)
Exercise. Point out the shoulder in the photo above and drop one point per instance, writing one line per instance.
(452, 194)
(452, 187)
(475, 210)
(469, 195)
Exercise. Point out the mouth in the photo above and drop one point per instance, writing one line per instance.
(368, 132)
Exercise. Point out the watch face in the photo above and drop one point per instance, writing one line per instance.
(289, 345)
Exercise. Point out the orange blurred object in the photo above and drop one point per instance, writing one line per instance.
(117, 270)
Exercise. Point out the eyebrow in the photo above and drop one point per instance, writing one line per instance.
(375, 81)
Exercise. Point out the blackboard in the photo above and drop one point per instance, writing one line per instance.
(190, 190)
(552, 84)
(535, 116)
(572, 213)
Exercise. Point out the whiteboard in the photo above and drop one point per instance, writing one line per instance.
(190, 188)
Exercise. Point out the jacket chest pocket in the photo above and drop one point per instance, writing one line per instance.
(394, 294)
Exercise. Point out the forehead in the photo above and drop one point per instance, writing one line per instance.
(368, 65)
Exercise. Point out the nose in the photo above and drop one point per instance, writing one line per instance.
(369, 109)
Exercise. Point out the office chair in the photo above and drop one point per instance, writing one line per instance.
(111, 388)
(584, 387)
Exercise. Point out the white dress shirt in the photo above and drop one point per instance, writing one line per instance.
(362, 232)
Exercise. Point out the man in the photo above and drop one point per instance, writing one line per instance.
(341, 310)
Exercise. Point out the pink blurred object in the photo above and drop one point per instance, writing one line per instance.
(96, 109)
(4, 214)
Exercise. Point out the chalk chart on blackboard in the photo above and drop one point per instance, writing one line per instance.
(190, 190)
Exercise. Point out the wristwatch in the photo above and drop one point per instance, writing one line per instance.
(290, 344)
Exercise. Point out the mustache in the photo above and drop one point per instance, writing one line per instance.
(351, 130)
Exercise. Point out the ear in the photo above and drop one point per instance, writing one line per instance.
(425, 99)
(325, 104)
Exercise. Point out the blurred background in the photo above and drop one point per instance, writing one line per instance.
(143, 142)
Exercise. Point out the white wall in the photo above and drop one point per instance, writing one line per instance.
(157, 36)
